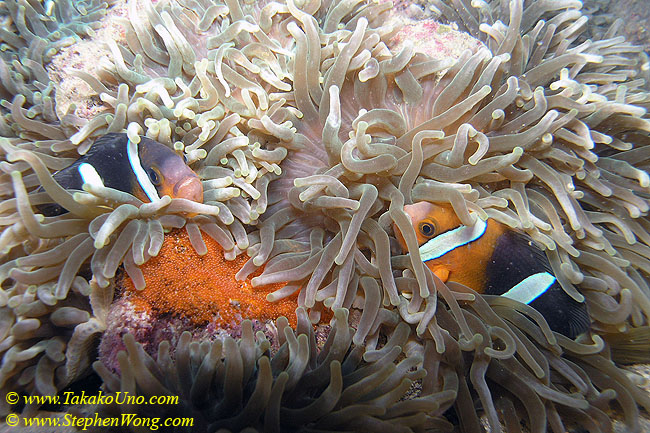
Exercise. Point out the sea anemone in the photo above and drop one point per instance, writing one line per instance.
(31, 35)
(230, 385)
(311, 129)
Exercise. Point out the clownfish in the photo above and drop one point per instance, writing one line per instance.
(493, 259)
(148, 170)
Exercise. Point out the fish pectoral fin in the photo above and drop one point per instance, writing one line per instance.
(442, 273)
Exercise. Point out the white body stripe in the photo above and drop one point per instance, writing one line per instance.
(89, 175)
(449, 241)
(531, 287)
(140, 174)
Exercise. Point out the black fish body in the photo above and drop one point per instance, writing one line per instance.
(516, 258)
(148, 170)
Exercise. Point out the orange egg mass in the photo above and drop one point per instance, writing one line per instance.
(203, 288)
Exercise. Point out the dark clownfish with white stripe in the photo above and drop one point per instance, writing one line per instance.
(493, 259)
(148, 170)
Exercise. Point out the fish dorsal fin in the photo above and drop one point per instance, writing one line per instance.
(140, 174)
(449, 241)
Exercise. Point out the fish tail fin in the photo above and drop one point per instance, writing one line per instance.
(631, 346)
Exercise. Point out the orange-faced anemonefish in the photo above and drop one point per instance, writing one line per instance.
(148, 170)
(493, 259)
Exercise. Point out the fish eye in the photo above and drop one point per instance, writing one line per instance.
(154, 176)
(427, 229)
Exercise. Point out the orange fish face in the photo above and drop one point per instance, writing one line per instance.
(168, 172)
(449, 249)
(428, 220)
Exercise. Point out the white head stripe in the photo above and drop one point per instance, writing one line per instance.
(448, 241)
(89, 175)
(531, 287)
(140, 174)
